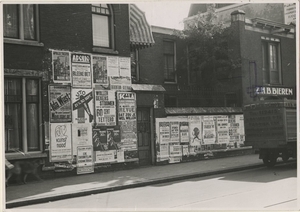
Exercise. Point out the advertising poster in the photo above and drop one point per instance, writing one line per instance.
(60, 103)
(127, 120)
(105, 108)
(60, 142)
(185, 150)
(240, 120)
(174, 132)
(233, 129)
(164, 132)
(81, 70)
(100, 139)
(209, 131)
(81, 135)
(195, 130)
(175, 151)
(82, 106)
(113, 66)
(125, 66)
(184, 132)
(61, 67)
(85, 160)
(100, 76)
(105, 156)
(120, 156)
(113, 138)
(222, 129)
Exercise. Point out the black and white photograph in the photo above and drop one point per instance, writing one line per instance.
(195, 108)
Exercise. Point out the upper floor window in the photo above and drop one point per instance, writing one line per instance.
(134, 56)
(102, 18)
(169, 61)
(271, 63)
(20, 21)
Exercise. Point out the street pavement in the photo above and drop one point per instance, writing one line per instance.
(74, 186)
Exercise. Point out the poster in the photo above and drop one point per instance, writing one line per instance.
(105, 156)
(209, 131)
(81, 70)
(125, 66)
(81, 135)
(85, 160)
(164, 132)
(127, 120)
(175, 150)
(82, 106)
(240, 120)
(122, 83)
(61, 67)
(120, 156)
(60, 103)
(184, 132)
(233, 130)
(105, 108)
(222, 129)
(100, 139)
(113, 138)
(60, 142)
(174, 138)
(100, 70)
(185, 150)
(113, 66)
(195, 130)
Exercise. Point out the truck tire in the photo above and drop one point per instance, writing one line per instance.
(285, 156)
(270, 161)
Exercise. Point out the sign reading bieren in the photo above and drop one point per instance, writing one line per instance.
(273, 91)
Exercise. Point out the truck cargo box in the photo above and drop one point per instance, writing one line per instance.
(270, 123)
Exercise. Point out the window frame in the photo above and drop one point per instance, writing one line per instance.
(23, 134)
(20, 39)
(170, 81)
(266, 42)
(111, 35)
(135, 52)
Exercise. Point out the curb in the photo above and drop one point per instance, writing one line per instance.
(122, 187)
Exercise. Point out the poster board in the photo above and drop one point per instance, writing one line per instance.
(105, 108)
(61, 70)
(60, 142)
(60, 103)
(83, 106)
(85, 161)
(81, 70)
(81, 136)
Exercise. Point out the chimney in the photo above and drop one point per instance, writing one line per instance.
(237, 15)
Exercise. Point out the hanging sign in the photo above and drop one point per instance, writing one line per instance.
(60, 142)
(60, 103)
(61, 67)
(100, 76)
(81, 70)
(82, 135)
(105, 108)
(82, 105)
(85, 160)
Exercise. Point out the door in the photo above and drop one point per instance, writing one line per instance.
(144, 135)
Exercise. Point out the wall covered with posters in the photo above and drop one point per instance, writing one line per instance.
(178, 138)
(92, 111)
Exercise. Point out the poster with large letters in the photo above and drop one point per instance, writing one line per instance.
(127, 121)
(61, 66)
(60, 142)
(85, 161)
(83, 106)
(120, 80)
(222, 129)
(81, 136)
(60, 103)
(209, 131)
(105, 108)
(81, 70)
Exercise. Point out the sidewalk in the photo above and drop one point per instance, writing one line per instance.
(62, 188)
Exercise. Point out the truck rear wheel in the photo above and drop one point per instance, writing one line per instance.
(270, 161)
(285, 156)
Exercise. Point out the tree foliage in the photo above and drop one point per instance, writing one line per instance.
(208, 53)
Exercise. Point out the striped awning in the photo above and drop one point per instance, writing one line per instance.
(139, 29)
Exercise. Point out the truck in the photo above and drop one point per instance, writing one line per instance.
(271, 128)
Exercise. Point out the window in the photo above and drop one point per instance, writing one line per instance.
(134, 56)
(102, 19)
(20, 21)
(271, 61)
(22, 115)
(169, 61)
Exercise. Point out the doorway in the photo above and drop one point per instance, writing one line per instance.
(144, 129)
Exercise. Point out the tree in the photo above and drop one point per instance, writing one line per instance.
(207, 54)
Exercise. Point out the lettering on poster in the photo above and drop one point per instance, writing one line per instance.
(222, 129)
(174, 131)
(209, 131)
(184, 132)
(82, 135)
(105, 156)
(85, 160)
(81, 71)
(105, 106)
(61, 67)
(82, 105)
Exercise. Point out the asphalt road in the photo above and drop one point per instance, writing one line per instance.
(256, 189)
